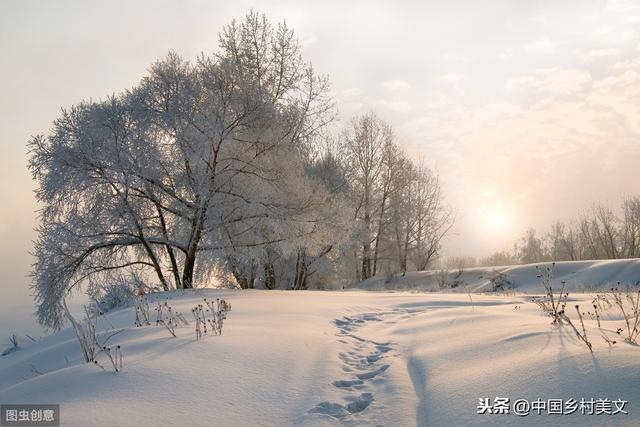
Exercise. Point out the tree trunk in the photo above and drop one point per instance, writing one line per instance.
(172, 257)
(187, 271)
(300, 278)
(366, 261)
(190, 256)
(379, 233)
(269, 275)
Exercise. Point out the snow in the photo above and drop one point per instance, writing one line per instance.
(18, 318)
(320, 358)
(579, 276)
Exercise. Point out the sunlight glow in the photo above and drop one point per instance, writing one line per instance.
(494, 217)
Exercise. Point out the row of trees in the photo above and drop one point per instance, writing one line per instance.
(600, 233)
(224, 167)
(387, 216)
(399, 213)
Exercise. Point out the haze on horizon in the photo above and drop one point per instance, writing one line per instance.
(529, 112)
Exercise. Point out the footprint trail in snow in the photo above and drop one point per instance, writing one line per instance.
(363, 363)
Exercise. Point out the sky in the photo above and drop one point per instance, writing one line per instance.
(528, 111)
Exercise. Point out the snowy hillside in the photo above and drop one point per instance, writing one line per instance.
(335, 358)
(579, 276)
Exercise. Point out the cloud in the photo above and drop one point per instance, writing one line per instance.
(397, 106)
(454, 77)
(308, 39)
(452, 57)
(613, 34)
(355, 100)
(506, 54)
(550, 82)
(541, 46)
(553, 154)
(594, 55)
(540, 19)
(395, 84)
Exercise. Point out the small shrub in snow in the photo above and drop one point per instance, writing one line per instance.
(553, 304)
(87, 337)
(500, 281)
(115, 358)
(582, 335)
(14, 345)
(223, 305)
(85, 331)
(141, 304)
(602, 301)
(631, 315)
(609, 341)
(165, 315)
(217, 311)
(446, 279)
(600, 304)
(168, 318)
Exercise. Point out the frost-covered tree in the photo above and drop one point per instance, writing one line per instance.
(318, 260)
(562, 242)
(631, 227)
(363, 150)
(499, 258)
(531, 248)
(394, 177)
(193, 165)
(432, 220)
(399, 214)
(599, 233)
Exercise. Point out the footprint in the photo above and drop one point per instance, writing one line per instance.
(347, 383)
(340, 322)
(374, 357)
(372, 374)
(359, 360)
(357, 338)
(360, 404)
(353, 361)
(335, 410)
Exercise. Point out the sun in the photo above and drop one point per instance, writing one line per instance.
(494, 217)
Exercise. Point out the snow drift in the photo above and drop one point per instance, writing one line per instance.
(579, 276)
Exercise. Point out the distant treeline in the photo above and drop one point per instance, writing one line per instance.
(599, 233)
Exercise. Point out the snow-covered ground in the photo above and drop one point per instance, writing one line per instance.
(335, 358)
(18, 319)
(579, 276)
